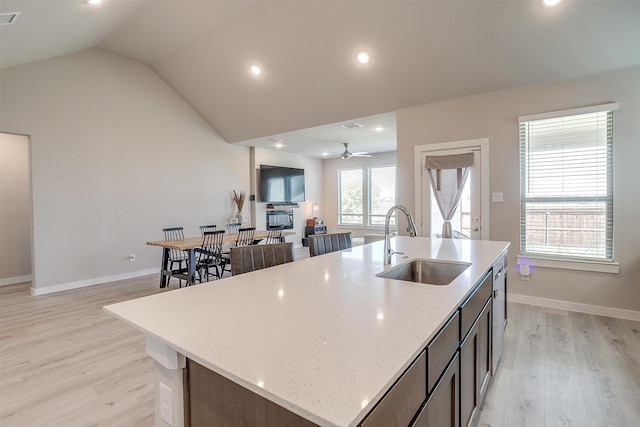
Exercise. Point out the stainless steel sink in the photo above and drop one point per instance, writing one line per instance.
(426, 271)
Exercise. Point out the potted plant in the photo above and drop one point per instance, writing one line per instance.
(238, 199)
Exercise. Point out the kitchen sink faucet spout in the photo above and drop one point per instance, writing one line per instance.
(411, 228)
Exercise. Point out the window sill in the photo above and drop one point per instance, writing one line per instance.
(595, 266)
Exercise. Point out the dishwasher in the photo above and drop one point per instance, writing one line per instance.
(499, 308)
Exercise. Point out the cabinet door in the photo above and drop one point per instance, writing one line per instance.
(443, 406)
(475, 365)
(400, 404)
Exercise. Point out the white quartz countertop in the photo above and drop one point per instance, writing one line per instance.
(323, 337)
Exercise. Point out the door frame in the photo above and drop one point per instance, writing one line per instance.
(419, 152)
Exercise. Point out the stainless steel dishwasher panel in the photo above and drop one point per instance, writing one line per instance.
(499, 309)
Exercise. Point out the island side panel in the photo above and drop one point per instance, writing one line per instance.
(215, 400)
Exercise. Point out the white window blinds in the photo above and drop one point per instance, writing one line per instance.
(566, 166)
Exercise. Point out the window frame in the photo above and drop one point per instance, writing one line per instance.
(365, 220)
(568, 261)
(369, 215)
(362, 189)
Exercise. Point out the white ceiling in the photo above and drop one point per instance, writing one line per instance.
(422, 51)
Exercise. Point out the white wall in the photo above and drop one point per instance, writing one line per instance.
(313, 177)
(116, 155)
(15, 209)
(330, 197)
(494, 116)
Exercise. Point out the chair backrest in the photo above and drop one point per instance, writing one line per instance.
(174, 233)
(211, 250)
(324, 243)
(275, 235)
(233, 227)
(256, 257)
(245, 236)
(205, 228)
(212, 240)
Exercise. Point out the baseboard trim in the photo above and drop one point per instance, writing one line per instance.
(618, 313)
(14, 280)
(91, 282)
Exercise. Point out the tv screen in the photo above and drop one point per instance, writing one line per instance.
(281, 185)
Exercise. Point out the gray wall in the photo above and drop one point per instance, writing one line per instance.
(15, 209)
(116, 155)
(494, 115)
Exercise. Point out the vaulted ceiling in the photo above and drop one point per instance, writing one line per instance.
(311, 84)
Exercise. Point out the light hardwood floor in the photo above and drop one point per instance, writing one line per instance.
(561, 368)
(64, 362)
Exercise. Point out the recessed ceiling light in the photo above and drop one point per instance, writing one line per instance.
(550, 3)
(279, 145)
(325, 154)
(8, 18)
(378, 128)
(255, 70)
(363, 57)
(93, 1)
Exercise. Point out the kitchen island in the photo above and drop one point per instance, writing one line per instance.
(322, 338)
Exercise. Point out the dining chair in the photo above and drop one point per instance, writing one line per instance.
(245, 238)
(176, 256)
(210, 254)
(205, 228)
(257, 257)
(233, 227)
(275, 235)
(324, 243)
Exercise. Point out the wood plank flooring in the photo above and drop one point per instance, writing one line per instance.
(562, 368)
(64, 362)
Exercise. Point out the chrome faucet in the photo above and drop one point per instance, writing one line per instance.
(413, 232)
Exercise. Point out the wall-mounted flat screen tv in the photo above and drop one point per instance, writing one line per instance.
(281, 185)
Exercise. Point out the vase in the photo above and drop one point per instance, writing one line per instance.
(239, 217)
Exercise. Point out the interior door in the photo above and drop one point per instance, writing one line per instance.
(468, 221)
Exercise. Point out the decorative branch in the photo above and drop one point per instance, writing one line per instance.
(238, 199)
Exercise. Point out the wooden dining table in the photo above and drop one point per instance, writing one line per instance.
(189, 245)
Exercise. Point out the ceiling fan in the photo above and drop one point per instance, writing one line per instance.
(348, 154)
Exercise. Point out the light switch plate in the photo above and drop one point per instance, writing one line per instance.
(497, 197)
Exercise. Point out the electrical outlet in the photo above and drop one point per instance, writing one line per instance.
(166, 404)
(497, 197)
(132, 258)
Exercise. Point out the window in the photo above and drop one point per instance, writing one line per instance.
(350, 197)
(380, 182)
(382, 193)
(566, 185)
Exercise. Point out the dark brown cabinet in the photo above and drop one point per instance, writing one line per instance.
(400, 404)
(442, 407)
(475, 365)
(213, 400)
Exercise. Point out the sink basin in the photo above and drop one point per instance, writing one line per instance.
(426, 271)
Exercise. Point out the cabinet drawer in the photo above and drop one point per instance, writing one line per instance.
(472, 307)
(440, 350)
(400, 404)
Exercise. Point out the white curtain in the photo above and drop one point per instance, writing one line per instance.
(447, 175)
